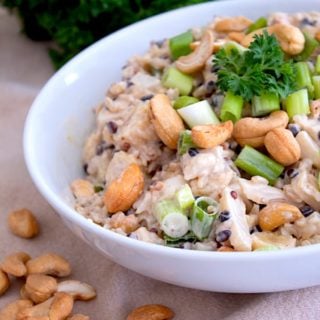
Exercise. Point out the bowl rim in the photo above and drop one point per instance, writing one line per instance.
(71, 214)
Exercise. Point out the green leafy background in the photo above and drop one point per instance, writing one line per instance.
(74, 25)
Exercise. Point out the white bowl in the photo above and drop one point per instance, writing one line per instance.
(61, 117)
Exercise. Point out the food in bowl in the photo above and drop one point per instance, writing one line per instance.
(211, 139)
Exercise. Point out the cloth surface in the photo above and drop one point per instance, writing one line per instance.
(24, 68)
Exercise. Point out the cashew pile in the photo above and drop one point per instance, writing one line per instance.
(43, 297)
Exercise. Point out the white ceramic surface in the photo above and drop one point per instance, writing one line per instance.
(61, 117)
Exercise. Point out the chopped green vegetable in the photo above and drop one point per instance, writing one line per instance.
(180, 45)
(97, 189)
(310, 45)
(297, 103)
(232, 45)
(185, 142)
(316, 85)
(258, 24)
(303, 78)
(173, 78)
(176, 242)
(205, 211)
(260, 69)
(184, 101)
(317, 67)
(318, 180)
(172, 220)
(231, 107)
(184, 198)
(256, 163)
(265, 104)
(198, 113)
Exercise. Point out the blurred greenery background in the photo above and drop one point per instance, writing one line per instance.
(75, 24)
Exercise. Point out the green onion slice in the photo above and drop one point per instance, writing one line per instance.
(180, 45)
(256, 163)
(205, 211)
(199, 113)
(231, 107)
(184, 198)
(174, 78)
(184, 101)
(262, 22)
(185, 142)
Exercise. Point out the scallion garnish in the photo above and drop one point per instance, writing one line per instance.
(297, 103)
(231, 107)
(199, 113)
(173, 78)
(184, 198)
(184, 101)
(309, 46)
(205, 211)
(317, 66)
(180, 45)
(303, 78)
(256, 163)
(258, 24)
(265, 104)
(172, 220)
(316, 86)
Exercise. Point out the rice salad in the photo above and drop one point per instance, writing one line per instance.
(211, 139)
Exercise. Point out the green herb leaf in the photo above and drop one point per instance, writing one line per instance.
(260, 69)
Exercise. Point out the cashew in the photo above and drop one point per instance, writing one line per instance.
(236, 36)
(78, 317)
(276, 214)
(23, 293)
(49, 264)
(128, 223)
(4, 282)
(82, 188)
(291, 38)
(265, 239)
(196, 60)
(282, 146)
(58, 307)
(22, 223)
(10, 311)
(78, 290)
(165, 120)
(40, 287)
(209, 136)
(225, 249)
(123, 192)
(232, 24)
(14, 264)
(151, 311)
(252, 131)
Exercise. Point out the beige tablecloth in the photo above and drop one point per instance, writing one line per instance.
(24, 68)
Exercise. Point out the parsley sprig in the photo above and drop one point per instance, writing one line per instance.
(260, 69)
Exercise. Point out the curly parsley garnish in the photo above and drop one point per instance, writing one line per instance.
(260, 69)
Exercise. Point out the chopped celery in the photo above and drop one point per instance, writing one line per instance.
(256, 163)
(269, 247)
(231, 107)
(297, 103)
(265, 104)
(184, 101)
(180, 44)
(184, 198)
(185, 142)
(258, 24)
(198, 113)
(309, 46)
(232, 45)
(176, 242)
(303, 78)
(318, 180)
(173, 78)
(204, 212)
(318, 65)
(316, 85)
(172, 220)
